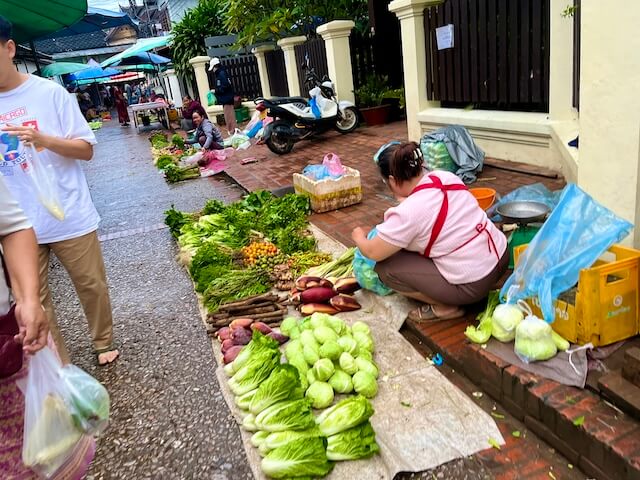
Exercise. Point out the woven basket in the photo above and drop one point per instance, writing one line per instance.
(330, 194)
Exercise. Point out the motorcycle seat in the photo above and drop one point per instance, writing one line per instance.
(281, 100)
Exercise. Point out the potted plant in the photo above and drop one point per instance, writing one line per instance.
(370, 97)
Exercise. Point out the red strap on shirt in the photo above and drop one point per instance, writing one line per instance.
(444, 208)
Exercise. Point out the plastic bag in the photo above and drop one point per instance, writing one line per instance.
(531, 193)
(534, 339)
(436, 156)
(211, 98)
(576, 233)
(87, 398)
(316, 172)
(334, 165)
(195, 158)
(254, 130)
(50, 433)
(43, 178)
(255, 119)
(363, 270)
(314, 107)
(237, 139)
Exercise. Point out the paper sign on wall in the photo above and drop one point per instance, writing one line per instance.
(444, 37)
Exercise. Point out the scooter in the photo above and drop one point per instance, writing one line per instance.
(296, 119)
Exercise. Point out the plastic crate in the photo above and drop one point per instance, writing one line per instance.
(330, 194)
(607, 300)
(242, 114)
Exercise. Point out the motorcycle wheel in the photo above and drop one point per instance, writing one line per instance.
(279, 143)
(349, 122)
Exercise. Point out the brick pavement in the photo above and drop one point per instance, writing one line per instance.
(356, 150)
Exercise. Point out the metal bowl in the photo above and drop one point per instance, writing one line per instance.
(523, 212)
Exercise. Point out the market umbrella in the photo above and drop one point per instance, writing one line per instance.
(143, 58)
(141, 46)
(62, 68)
(94, 20)
(138, 68)
(94, 72)
(35, 18)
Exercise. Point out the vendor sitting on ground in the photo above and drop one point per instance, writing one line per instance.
(207, 134)
(188, 107)
(437, 246)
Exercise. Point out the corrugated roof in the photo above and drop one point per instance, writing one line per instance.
(85, 41)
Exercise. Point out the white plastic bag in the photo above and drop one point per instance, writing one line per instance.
(534, 338)
(43, 178)
(50, 433)
(193, 159)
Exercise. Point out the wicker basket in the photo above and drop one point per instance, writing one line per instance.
(330, 194)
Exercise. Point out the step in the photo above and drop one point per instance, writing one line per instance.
(605, 446)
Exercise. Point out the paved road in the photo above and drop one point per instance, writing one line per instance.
(169, 420)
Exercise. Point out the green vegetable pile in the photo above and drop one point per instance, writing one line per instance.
(159, 140)
(174, 173)
(332, 357)
(164, 161)
(177, 141)
(292, 441)
(506, 322)
(211, 241)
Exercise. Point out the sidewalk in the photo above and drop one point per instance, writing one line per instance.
(606, 446)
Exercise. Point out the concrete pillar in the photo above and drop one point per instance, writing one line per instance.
(174, 92)
(288, 48)
(609, 151)
(560, 64)
(259, 52)
(200, 65)
(414, 59)
(336, 38)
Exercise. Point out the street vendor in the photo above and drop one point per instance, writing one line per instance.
(207, 134)
(437, 246)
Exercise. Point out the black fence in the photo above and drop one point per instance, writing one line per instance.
(277, 73)
(243, 73)
(316, 49)
(363, 62)
(500, 58)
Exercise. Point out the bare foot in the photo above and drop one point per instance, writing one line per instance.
(106, 358)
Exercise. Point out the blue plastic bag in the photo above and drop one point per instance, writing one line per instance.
(576, 233)
(255, 129)
(364, 271)
(314, 107)
(316, 172)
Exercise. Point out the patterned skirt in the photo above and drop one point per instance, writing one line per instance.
(11, 433)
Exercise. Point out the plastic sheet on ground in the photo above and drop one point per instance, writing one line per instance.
(421, 419)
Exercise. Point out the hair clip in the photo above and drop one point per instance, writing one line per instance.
(376, 157)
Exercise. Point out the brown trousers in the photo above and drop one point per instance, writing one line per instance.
(230, 118)
(82, 259)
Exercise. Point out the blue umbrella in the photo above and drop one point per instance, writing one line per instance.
(94, 72)
(143, 58)
(95, 19)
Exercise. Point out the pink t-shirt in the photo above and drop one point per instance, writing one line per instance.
(409, 226)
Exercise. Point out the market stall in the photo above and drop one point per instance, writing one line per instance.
(336, 390)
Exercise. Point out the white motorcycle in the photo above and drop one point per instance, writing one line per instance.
(298, 118)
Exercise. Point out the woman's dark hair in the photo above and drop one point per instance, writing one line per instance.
(202, 113)
(401, 161)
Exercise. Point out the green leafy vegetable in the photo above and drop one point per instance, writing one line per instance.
(482, 333)
(323, 369)
(348, 344)
(174, 174)
(344, 415)
(331, 350)
(505, 319)
(175, 220)
(515, 434)
(320, 394)
(579, 421)
(364, 341)
(279, 439)
(243, 401)
(324, 334)
(348, 363)
(367, 366)
(254, 372)
(360, 327)
(365, 384)
(258, 343)
(341, 382)
(282, 384)
(164, 161)
(304, 457)
(534, 340)
(288, 324)
(353, 444)
(287, 415)
(259, 438)
(311, 355)
(249, 423)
